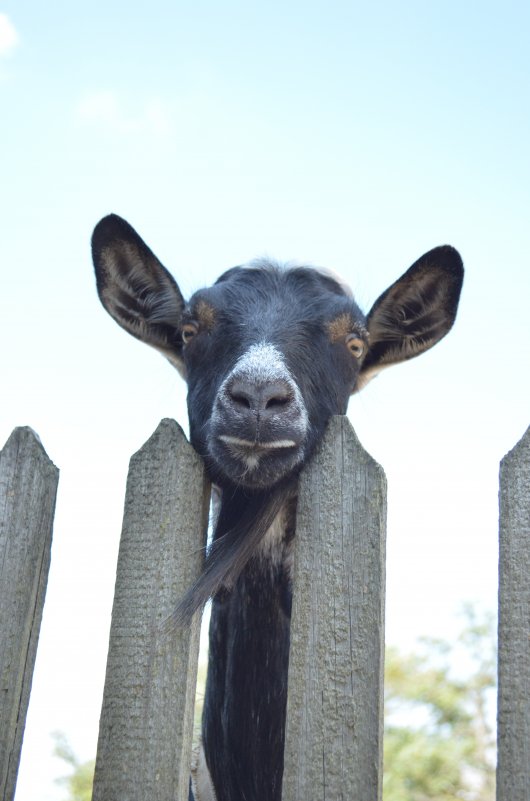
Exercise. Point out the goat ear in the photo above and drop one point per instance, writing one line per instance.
(135, 289)
(415, 312)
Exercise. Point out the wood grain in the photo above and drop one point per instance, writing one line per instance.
(144, 747)
(513, 709)
(335, 700)
(28, 488)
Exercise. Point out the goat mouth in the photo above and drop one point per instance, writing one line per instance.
(255, 463)
(237, 443)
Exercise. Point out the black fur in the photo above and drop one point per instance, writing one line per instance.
(289, 309)
(255, 429)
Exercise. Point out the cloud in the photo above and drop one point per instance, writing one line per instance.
(104, 109)
(8, 36)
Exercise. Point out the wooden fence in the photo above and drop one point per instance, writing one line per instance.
(335, 697)
(513, 705)
(28, 486)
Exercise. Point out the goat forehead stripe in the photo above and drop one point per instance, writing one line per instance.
(263, 362)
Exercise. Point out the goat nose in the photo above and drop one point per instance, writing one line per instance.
(260, 398)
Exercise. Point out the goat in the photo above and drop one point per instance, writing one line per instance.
(269, 353)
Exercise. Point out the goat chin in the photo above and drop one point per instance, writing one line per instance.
(259, 467)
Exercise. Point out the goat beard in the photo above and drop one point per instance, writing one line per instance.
(244, 519)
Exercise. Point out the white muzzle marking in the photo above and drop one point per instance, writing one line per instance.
(245, 443)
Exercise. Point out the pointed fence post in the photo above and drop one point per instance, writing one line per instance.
(335, 698)
(28, 488)
(513, 708)
(144, 747)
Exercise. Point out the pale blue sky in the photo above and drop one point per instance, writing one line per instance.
(351, 136)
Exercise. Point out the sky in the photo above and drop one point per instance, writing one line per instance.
(347, 135)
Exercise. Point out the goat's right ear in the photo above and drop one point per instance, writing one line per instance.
(136, 290)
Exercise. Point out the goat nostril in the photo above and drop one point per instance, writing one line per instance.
(276, 396)
(241, 400)
(258, 398)
(278, 401)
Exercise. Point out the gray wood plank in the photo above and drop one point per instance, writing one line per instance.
(513, 711)
(144, 746)
(335, 697)
(28, 487)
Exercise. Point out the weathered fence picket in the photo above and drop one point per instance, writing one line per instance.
(28, 487)
(335, 701)
(334, 735)
(144, 746)
(513, 708)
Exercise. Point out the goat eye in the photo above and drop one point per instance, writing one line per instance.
(188, 332)
(355, 345)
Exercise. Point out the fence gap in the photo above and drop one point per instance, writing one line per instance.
(334, 731)
(144, 746)
(28, 488)
(513, 707)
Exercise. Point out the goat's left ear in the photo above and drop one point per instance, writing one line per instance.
(414, 313)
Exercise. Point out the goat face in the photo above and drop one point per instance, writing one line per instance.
(266, 369)
(269, 353)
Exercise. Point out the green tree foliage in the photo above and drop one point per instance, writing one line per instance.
(79, 782)
(439, 742)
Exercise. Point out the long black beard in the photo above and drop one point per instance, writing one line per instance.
(244, 519)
